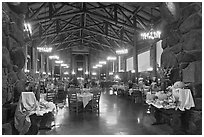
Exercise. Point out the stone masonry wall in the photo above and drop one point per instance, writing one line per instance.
(182, 49)
(13, 57)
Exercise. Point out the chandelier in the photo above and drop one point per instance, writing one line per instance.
(122, 51)
(151, 34)
(44, 49)
(53, 57)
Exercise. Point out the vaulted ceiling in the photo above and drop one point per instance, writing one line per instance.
(97, 25)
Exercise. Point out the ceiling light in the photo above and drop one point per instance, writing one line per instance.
(102, 62)
(66, 73)
(111, 58)
(94, 73)
(99, 65)
(150, 69)
(44, 49)
(59, 61)
(53, 57)
(86, 72)
(80, 69)
(73, 73)
(63, 65)
(110, 73)
(122, 51)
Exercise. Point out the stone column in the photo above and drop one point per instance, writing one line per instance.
(47, 64)
(89, 65)
(125, 63)
(34, 59)
(73, 63)
(42, 69)
(86, 64)
(153, 59)
(26, 59)
(135, 55)
(114, 66)
(117, 64)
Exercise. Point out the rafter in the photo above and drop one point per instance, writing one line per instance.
(38, 11)
(112, 20)
(104, 8)
(56, 16)
(126, 17)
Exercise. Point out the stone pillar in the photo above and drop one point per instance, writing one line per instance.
(42, 69)
(34, 59)
(153, 59)
(114, 66)
(135, 55)
(86, 63)
(89, 65)
(47, 64)
(125, 63)
(53, 67)
(73, 63)
(26, 59)
(117, 64)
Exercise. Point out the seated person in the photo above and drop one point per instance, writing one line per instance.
(154, 86)
(130, 84)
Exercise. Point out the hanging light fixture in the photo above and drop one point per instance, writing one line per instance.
(122, 51)
(54, 57)
(45, 48)
(151, 34)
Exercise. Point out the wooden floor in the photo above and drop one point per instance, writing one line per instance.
(118, 116)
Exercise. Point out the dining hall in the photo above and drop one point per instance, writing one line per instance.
(101, 68)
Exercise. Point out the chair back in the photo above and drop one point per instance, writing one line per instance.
(72, 94)
(137, 93)
(50, 95)
(96, 94)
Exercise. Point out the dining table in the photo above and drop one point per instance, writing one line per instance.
(85, 97)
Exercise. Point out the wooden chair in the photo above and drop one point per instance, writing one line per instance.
(61, 96)
(74, 104)
(50, 96)
(136, 96)
(96, 99)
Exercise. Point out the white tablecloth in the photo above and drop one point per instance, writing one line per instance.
(184, 97)
(45, 106)
(27, 106)
(85, 98)
(123, 87)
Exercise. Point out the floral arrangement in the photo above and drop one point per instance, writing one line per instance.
(164, 72)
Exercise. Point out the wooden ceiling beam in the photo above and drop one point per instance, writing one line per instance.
(113, 20)
(108, 36)
(38, 11)
(126, 17)
(54, 33)
(56, 16)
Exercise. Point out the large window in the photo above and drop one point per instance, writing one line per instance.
(130, 64)
(144, 61)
